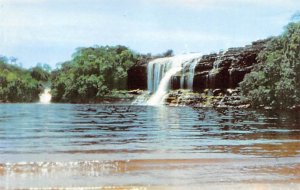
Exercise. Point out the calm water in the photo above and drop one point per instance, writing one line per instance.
(64, 145)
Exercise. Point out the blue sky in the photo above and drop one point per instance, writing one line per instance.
(48, 31)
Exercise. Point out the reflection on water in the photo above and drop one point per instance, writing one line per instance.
(98, 145)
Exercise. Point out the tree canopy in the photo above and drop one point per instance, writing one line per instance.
(18, 84)
(275, 81)
(92, 73)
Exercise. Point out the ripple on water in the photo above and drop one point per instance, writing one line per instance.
(75, 144)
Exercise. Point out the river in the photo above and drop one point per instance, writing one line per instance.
(141, 147)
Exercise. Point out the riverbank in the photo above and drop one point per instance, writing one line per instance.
(217, 98)
(208, 98)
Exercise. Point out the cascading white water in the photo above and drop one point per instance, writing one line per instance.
(212, 73)
(156, 70)
(158, 97)
(45, 97)
(190, 81)
(188, 72)
(160, 72)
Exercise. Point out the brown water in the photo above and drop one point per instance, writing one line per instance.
(143, 147)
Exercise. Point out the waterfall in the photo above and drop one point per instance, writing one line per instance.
(45, 97)
(163, 88)
(160, 72)
(155, 71)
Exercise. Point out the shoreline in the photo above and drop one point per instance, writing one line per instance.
(217, 98)
(223, 186)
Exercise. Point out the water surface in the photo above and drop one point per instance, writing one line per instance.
(65, 145)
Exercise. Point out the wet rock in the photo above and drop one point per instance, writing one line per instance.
(189, 98)
(175, 82)
(203, 77)
(233, 92)
(217, 92)
(183, 98)
(205, 63)
(244, 106)
(136, 92)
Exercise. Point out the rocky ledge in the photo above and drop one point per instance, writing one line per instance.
(216, 98)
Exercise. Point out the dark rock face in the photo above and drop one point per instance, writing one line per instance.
(137, 75)
(214, 71)
(233, 65)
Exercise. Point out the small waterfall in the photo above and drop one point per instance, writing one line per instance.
(188, 72)
(45, 97)
(160, 72)
(212, 73)
(191, 75)
(183, 77)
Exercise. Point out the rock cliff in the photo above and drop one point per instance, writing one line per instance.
(221, 70)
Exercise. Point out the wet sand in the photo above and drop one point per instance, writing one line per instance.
(254, 173)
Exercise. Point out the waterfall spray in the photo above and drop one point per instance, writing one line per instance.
(45, 97)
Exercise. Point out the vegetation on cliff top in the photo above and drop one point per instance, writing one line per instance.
(275, 81)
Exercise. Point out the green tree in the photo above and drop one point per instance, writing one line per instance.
(168, 53)
(41, 72)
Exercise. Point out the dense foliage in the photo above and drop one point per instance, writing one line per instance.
(18, 84)
(92, 73)
(41, 72)
(275, 82)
